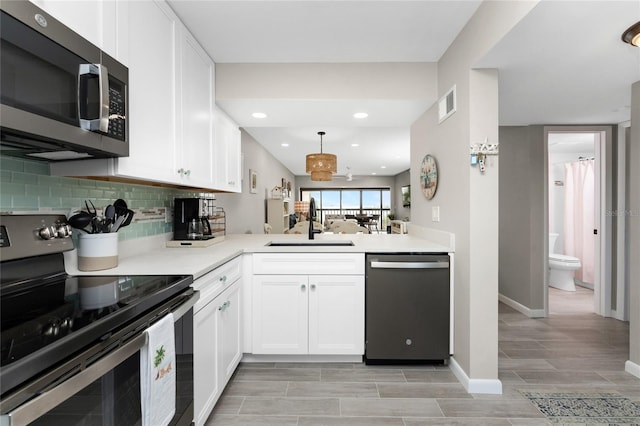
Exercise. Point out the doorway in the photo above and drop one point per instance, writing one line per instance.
(579, 191)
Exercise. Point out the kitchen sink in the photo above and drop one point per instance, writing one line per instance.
(311, 243)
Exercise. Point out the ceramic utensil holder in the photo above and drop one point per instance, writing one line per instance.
(97, 251)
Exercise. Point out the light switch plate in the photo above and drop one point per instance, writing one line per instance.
(435, 214)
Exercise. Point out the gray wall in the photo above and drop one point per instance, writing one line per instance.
(634, 228)
(522, 209)
(402, 213)
(357, 182)
(245, 211)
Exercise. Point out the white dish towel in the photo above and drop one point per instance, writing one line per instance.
(158, 374)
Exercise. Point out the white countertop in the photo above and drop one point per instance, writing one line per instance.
(152, 257)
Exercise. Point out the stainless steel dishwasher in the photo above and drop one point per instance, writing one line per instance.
(407, 308)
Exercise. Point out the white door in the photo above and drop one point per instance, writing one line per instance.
(336, 314)
(197, 107)
(205, 361)
(280, 314)
(229, 335)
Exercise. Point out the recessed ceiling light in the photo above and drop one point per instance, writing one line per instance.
(383, 167)
(360, 115)
(373, 173)
(355, 145)
(284, 144)
(259, 115)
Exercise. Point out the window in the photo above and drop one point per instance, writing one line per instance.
(363, 201)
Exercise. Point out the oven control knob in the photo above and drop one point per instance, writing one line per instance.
(63, 231)
(47, 233)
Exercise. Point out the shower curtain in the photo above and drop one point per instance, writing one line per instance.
(579, 216)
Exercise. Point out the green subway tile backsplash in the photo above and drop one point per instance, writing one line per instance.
(27, 186)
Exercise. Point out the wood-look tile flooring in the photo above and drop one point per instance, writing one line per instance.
(573, 350)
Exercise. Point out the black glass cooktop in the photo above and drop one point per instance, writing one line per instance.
(57, 316)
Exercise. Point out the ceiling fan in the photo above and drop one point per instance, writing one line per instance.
(347, 176)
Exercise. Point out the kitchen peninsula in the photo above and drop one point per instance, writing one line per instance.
(299, 300)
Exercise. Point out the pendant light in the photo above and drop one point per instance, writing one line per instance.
(632, 35)
(321, 166)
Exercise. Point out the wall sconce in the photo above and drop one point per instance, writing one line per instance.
(632, 35)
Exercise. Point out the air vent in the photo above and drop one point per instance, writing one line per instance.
(447, 105)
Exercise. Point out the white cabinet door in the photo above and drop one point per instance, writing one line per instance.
(336, 314)
(229, 331)
(226, 152)
(83, 17)
(197, 84)
(280, 314)
(153, 31)
(206, 381)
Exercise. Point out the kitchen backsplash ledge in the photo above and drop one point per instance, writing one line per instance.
(27, 186)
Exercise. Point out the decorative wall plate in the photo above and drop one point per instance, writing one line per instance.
(429, 176)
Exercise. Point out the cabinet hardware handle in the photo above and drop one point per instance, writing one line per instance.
(181, 171)
(313, 286)
(187, 172)
(223, 278)
(303, 286)
(224, 306)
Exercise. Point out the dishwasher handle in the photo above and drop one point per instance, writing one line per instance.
(409, 265)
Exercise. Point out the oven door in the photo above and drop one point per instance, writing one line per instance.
(107, 393)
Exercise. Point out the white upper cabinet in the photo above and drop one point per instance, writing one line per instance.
(197, 98)
(226, 152)
(176, 135)
(151, 48)
(93, 20)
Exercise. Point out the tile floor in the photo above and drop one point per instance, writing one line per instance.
(572, 350)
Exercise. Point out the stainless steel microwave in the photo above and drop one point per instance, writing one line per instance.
(62, 97)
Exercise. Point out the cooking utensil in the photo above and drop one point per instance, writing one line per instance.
(80, 220)
(128, 219)
(94, 215)
(117, 223)
(109, 214)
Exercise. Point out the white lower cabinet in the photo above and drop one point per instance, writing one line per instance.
(217, 339)
(308, 314)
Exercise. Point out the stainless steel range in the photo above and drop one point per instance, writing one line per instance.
(70, 345)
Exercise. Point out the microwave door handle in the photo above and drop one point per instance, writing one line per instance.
(102, 122)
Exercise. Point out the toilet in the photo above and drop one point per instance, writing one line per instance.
(561, 267)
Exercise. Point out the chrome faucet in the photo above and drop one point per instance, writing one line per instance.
(312, 215)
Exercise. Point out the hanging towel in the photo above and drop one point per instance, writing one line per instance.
(158, 374)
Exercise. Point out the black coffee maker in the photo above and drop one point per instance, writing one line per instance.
(190, 219)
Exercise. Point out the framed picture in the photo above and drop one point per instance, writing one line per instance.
(406, 196)
(253, 181)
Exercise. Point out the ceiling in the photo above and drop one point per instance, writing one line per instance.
(563, 63)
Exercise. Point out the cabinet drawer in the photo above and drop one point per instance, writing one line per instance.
(309, 263)
(212, 284)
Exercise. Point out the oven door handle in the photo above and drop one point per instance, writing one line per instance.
(50, 399)
(46, 401)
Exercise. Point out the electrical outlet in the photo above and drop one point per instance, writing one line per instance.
(435, 214)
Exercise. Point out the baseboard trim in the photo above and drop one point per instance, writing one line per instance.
(486, 386)
(632, 368)
(248, 358)
(531, 313)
